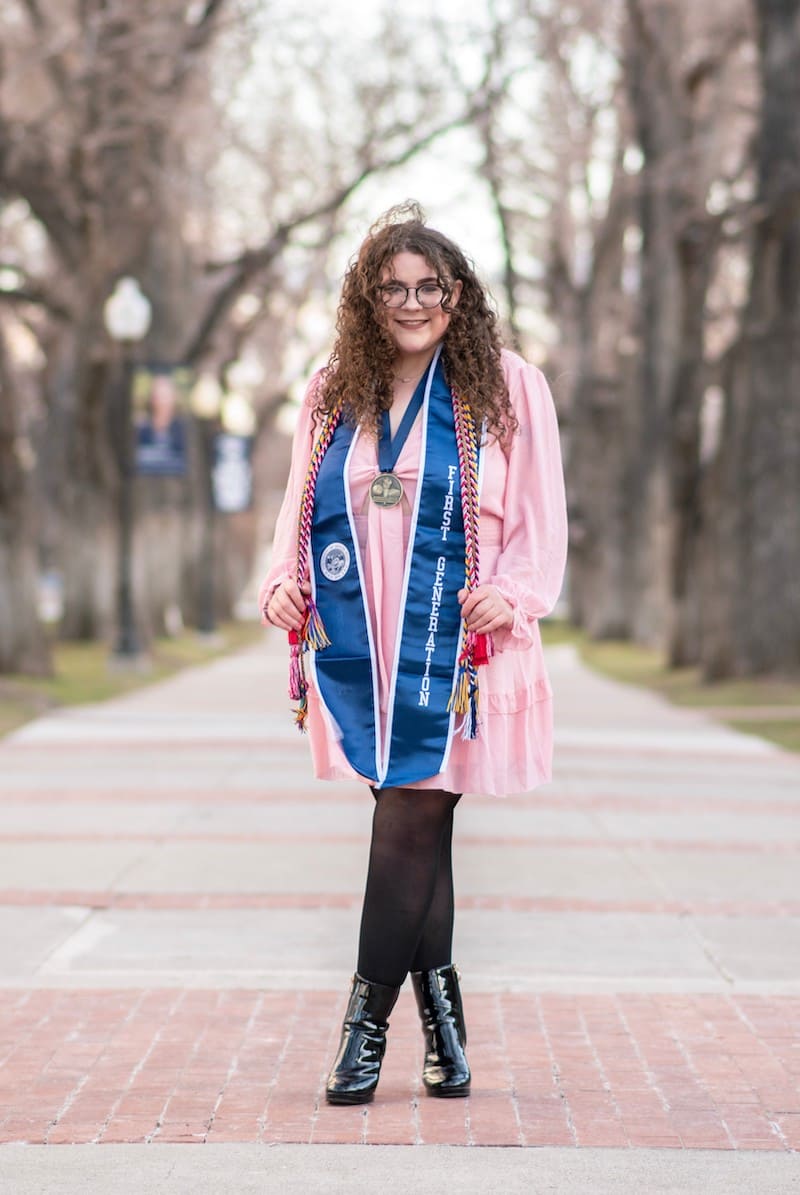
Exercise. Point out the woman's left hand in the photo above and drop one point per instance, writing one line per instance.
(485, 610)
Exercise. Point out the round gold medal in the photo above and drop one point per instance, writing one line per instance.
(386, 489)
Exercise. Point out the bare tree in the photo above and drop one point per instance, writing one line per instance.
(87, 93)
(589, 293)
(94, 114)
(677, 63)
(754, 569)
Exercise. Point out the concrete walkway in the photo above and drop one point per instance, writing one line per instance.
(179, 906)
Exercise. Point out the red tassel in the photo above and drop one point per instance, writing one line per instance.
(464, 699)
(310, 636)
(483, 650)
(296, 678)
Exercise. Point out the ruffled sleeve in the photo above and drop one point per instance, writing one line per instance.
(530, 569)
(284, 544)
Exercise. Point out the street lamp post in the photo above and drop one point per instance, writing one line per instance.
(127, 314)
(206, 404)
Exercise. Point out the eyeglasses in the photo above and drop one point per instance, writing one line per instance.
(428, 294)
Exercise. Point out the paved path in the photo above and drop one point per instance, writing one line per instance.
(179, 906)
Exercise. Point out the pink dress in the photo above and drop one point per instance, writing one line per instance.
(523, 543)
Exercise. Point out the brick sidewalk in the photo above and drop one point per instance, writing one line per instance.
(180, 927)
(703, 1072)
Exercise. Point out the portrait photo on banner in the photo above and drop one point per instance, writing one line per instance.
(160, 407)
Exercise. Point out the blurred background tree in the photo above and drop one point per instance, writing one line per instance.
(625, 172)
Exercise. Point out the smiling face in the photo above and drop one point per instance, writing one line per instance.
(415, 330)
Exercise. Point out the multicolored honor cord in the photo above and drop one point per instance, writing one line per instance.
(312, 634)
(475, 649)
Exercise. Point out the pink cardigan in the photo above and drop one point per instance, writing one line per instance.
(523, 544)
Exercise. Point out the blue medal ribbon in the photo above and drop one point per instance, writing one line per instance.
(389, 448)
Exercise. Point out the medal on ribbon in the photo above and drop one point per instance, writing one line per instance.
(386, 489)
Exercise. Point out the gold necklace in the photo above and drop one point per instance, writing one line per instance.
(397, 377)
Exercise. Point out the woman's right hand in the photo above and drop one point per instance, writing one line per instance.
(287, 606)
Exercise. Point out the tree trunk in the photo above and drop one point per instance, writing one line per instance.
(599, 433)
(23, 645)
(696, 250)
(659, 132)
(595, 467)
(758, 548)
(90, 531)
(87, 535)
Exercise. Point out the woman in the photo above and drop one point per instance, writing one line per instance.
(422, 536)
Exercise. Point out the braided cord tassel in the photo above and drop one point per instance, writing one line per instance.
(475, 649)
(312, 634)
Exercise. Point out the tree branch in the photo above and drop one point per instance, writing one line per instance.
(203, 29)
(53, 63)
(252, 261)
(39, 185)
(36, 296)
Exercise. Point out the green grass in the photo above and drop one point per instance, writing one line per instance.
(632, 664)
(785, 734)
(85, 672)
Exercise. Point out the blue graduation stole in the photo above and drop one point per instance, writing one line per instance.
(419, 727)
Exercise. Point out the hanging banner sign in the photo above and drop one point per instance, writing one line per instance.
(160, 403)
(232, 473)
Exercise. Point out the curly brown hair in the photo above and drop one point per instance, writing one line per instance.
(360, 370)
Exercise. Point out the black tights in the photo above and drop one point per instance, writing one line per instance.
(407, 919)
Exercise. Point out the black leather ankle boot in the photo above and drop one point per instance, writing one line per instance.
(446, 1070)
(357, 1068)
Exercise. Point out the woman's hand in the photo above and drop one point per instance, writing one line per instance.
(287, 606)
(485, 610)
